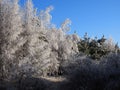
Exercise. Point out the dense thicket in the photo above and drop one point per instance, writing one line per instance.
(31, 46)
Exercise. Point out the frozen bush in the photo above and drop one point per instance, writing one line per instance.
(88, 74)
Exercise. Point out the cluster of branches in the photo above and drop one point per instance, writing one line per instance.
(97, 48)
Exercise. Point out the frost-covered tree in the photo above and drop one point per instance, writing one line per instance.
(10, 29)
(36, 50)
(62, 46)
(111, 46)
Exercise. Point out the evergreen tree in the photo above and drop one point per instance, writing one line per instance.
(96, 48)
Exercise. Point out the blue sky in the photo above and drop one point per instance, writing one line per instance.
(96, 17)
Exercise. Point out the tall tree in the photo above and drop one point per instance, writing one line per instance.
(10, 29)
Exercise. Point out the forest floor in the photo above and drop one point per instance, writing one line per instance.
(42, 83)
